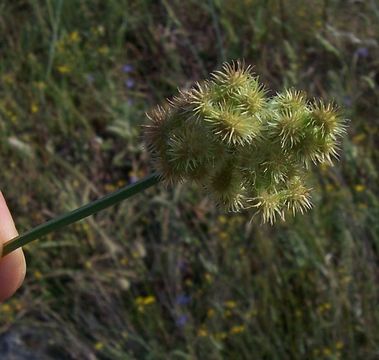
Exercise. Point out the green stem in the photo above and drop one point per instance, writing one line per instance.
(80, 213)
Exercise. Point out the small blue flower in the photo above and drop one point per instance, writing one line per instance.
(181, 320)
(129, 83)
(183, 299)
(127, 68)
(362, 52)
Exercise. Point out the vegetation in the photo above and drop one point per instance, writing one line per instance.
(167, 275)
(247, 151)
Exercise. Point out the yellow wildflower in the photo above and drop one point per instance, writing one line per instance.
(63, 69)
(99, 30)
(326, 351)
(323, 308)
(99, 345)
(223, 235)
(237, 329)
(37, 275)
(34, 108)
(145, 300)
(359, 188)
(124, 261)
(74, 37)
(17, 305)
(40, 85)
(110, 187)
(339, 345)
(222, 219)
(208, 277)
(329, 187)
(202, 332)
(121, 183)
(149, 300)
(8, 79)
(6, 308)
(230, 304)
(103, 50)
(210, 313)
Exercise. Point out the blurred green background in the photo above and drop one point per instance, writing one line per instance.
(167, 275)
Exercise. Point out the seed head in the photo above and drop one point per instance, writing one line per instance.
(289, 100)
(270, 204)
(327, 119)
(226, 186)
(189, 149)
(297, 196)
(248, 151)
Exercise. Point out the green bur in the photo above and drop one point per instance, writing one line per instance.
(248, 151)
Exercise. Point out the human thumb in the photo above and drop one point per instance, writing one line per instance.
(12, 266)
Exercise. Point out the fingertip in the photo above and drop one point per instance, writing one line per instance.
(13, 265)
(12, 273)
(7, 226)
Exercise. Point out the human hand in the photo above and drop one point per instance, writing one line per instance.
(12, 266)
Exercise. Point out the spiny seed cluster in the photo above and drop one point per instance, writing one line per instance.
(247, 150)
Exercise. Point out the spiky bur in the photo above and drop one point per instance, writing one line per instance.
(248, 151)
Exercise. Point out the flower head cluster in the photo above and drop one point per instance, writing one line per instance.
(247, 150)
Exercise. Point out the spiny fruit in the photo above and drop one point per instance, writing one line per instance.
(247, 150)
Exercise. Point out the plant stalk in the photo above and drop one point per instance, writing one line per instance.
(80, 213)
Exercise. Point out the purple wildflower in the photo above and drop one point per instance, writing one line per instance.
(127, 68)
(183, 299)
(129, 83)
(362, 52)
(181, 320)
